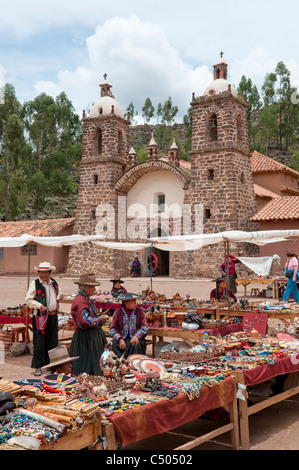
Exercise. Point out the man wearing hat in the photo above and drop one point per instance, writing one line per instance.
(129, 327)
(43, 297)
(89, 339)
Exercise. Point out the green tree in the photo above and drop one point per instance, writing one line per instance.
(247, 88)
(169, 111)
(159, 112)
(12, 151)
(294, 163)
(54, 133)
(131, 112)
(148, 110)
(279, 117)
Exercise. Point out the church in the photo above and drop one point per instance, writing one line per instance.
(127, 201)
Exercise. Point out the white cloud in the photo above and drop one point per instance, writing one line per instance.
(140, 63)
(2, 75)
(255, 66)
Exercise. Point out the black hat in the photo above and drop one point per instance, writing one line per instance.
(116, 280)
(129, 296)
(223, 278)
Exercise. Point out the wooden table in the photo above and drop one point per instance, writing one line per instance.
(87, 437)
(285, 366)
(248, 282)
(166, 415)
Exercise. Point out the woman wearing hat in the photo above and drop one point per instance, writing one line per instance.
(129, 327)
(117, 288)
(43, 297)
(221, 291)
(89, 339)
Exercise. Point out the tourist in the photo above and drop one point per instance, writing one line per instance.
(229, 267)
(89, 339)
(43, 297)
(291, 267)
(221, 291)
(136, 267)
(129, 328)
(60, 361)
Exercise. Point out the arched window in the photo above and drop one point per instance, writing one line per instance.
(213, 127)
(159, 200)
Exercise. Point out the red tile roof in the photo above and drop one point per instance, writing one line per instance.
(262, 164)
(279, 208)
(263, 192)
(36, 228)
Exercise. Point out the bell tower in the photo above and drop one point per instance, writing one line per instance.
(105, 149)
(221, 174)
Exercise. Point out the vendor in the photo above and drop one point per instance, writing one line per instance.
(89, 339)
(129, 327)
(136, 267)
(221, 291)
(60, 361)
(117, 288)
(229, 268)
(43, 297)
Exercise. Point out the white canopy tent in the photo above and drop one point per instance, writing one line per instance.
(174, 243)
(195, 242)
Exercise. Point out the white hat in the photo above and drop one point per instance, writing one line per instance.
(45, 267)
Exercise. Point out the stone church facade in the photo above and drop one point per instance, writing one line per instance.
(131, 202)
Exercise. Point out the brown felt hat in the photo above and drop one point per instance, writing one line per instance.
(87, 279)
(59, 356)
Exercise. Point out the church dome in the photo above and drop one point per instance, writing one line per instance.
(218, 86)
(106, 106)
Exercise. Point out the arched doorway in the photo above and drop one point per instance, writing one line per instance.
(162, 256)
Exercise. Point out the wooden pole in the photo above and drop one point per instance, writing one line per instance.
(226, 253)
(28, 273)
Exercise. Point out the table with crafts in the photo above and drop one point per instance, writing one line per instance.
(258, 375)
(156, 418)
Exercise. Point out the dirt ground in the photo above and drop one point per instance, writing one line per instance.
(275, 428)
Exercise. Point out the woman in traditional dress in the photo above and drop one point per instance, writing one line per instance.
(117, 288)
(129, 327)
(89, 339)
(136, 268)
(221, 291)
(229, 267)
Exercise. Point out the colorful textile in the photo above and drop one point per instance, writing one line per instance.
(84, 313)
(124, 325)
(156, 418)
(262, 373)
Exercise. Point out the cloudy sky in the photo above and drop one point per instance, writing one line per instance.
(148, 48)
